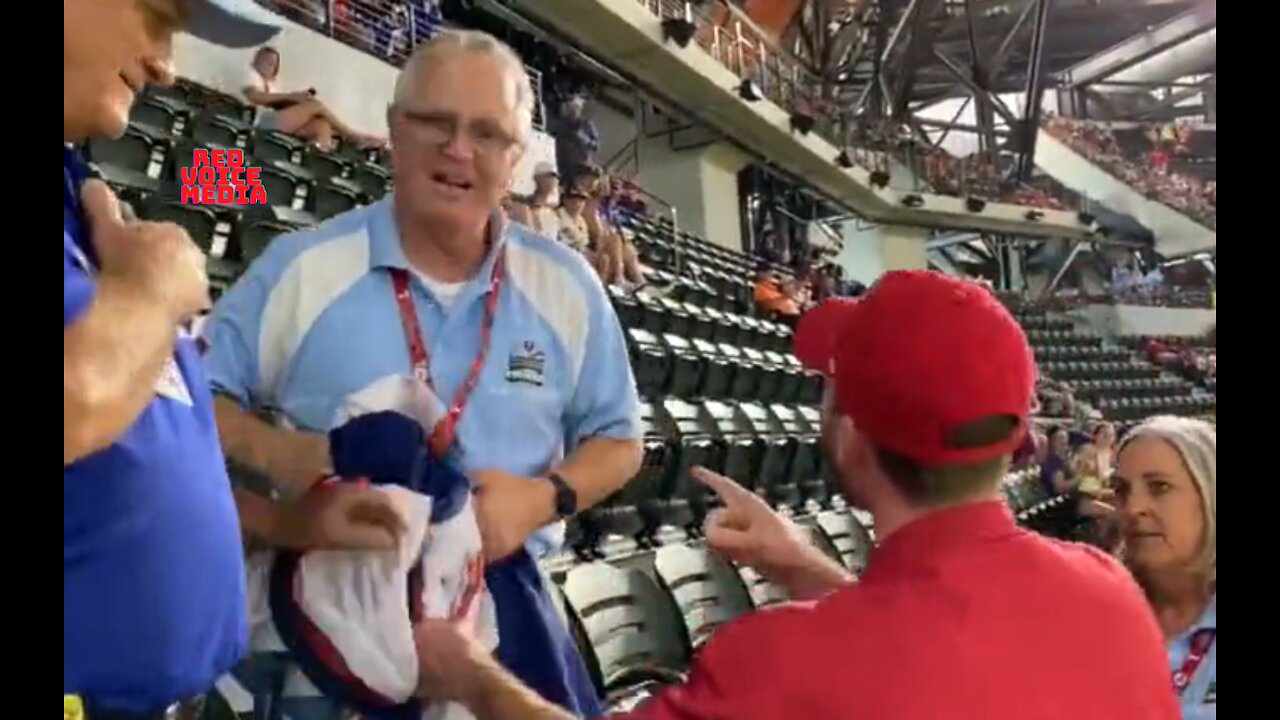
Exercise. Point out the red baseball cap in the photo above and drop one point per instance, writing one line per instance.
(919, 355)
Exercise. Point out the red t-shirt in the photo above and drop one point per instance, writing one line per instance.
(960, 616)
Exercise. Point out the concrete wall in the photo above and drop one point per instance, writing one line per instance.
(870, 251)
(1140, 320)
(701, 183)
(358, 87)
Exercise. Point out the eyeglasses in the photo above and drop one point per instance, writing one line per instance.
(439, 128)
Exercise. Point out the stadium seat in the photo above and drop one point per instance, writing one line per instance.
(269, 145)
(167, 114)
(335, 195)
(287, 184)
(718, 370)
(770, 375)
(849, 536)
(763, 591)
(375, 180)
(694, 442)
(327, 165)
(131, 163)
(677, 317)
(739, 447)
(256, 235)
(626, 305)
(651, 362)
(706, 589)
(632, 628)
(213, 129)
(776, 448)
(746, 372)
(688, 367)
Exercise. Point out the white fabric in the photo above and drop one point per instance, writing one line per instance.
(358, 599)
(445, 292)
(252, 79)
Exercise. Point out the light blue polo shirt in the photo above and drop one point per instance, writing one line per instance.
(1200, 698)
(314, 320)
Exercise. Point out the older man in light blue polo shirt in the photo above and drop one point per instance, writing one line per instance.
(511, 332)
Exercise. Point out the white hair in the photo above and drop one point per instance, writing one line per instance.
(479, 43)
(1196, 442)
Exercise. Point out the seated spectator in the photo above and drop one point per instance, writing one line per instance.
(770, 296)
(615, 256)
(296, 113)
(1057, 476)
(572, 221)
(538, 211)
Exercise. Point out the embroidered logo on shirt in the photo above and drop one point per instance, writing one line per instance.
(526, 365)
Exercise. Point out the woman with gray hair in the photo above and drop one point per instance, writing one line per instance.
(1166, 493)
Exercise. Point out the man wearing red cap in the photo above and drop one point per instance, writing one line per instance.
(960, 614)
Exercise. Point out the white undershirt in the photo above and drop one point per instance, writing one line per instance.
(445, 292)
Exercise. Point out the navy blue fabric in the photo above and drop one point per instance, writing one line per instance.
(1051, 466)
(153, 603)
(389, 448)
(533, 642)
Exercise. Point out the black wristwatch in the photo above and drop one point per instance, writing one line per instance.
(566, 497)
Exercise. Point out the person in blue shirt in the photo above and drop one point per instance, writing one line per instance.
(153, 576)
(509, 335)
(1166, 485)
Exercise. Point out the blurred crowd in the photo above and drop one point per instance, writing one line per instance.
(786, 296)
(1147, 173)
(1195, 359)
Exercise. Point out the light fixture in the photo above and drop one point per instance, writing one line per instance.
(974, 205)
(1085, 218)
(843, 160)
(801, 122)
(913, 200)
(748, 91)
(1034, 215)
(879, 178)
(678, 30)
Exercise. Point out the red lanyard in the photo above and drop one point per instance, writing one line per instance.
(442, 435)
(1201, 641)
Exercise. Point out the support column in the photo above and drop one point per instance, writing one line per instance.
(702, 183)
(871, 250)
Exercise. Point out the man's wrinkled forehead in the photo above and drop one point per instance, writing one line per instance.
(447, 70)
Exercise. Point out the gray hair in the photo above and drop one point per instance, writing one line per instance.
(480, 43)
(1197, 444)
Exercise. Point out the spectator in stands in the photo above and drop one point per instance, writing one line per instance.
(539, 211)
(1166, 485)
(577, 139)
(296, 113)
(525, 348)
(153, 607)
(614, 255)
(1104, 439)
(1057, 477)
(770, 297)
(573, 221)
(956, 600)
